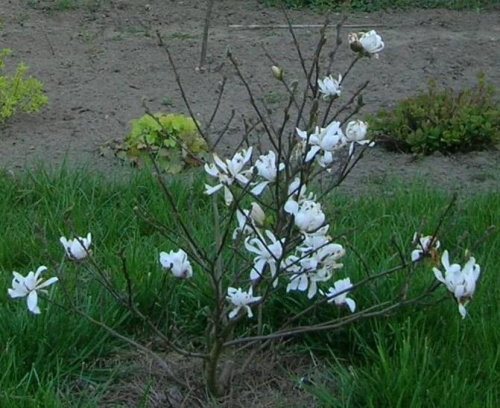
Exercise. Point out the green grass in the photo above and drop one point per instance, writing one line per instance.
(411, 360)
(68, 5)
(421, 358)
(376, 5)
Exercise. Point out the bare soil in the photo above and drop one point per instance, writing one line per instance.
(100, 61)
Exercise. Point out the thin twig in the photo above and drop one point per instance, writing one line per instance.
(206, 27)
(48, 41)
(217, 105)
(181, 88)
(252, 99)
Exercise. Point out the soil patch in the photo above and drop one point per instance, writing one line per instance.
(100, 61)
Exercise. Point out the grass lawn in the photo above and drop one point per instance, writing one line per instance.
(421, 357)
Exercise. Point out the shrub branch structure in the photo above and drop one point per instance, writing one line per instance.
(271, 238)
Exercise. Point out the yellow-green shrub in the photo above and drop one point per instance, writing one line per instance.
(18, 92)
(172, 140)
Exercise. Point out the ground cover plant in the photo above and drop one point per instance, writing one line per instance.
(172, 141)
(260, 205)
(446, 121)
(18, 92)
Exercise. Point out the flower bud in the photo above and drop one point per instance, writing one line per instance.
(354, 43)
(277, 72)
(257, 215)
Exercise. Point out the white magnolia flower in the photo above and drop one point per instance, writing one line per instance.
(29, 286)
(257, 215)
(178, 263)
(330, 87)
(315, 240)
(297, 191)
(266, 168)
(249, 221)
(338, 294)
(459, 281)
(244, 227)
(369, 43)
(356, 132)
(424, 245)
(327, 255)
(325, 159)
(305, 274)
(241, 300)
(267, 254)
(78, 248)
(228, 172)
(326, 139)
(308, 215)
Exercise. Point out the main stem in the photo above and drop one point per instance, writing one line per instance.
(213, 386)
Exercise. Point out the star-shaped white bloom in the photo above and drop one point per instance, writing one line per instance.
(241, 300)
(267, 254)
(308, 215)
(297, 191)
(330, 87)
(305, 274)
(338, 294)
(423, 246)
(244, 227)
(78, 248)
(228, 172)
(267, 169)
(29, 286)
(326, 139)
(249, 221)
(459, 281)
(178, 263)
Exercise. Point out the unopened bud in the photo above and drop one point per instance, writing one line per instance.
(257, 215)
(354, 42)
(277, 72)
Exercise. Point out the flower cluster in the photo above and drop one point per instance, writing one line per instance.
(323, 143)
(297, 246)
(32, 284)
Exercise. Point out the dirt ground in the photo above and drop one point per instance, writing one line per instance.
(100, 61)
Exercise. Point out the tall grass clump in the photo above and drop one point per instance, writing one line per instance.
(45, 357)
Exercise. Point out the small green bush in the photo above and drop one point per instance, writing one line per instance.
(18, 92)
(441, 120)
(172, 140)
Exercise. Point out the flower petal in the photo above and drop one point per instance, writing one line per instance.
(33, 302)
